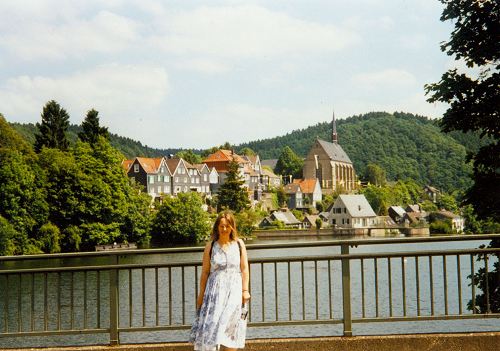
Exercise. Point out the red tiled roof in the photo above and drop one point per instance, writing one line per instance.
(150, 165)
(224, 155)
(126, 164)
(307, 186)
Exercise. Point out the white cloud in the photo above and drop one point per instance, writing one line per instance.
(388, 78)
(205, 66)
(248, 32)
(413, 102)
(119, 92)
(105, 32)
(239, 122)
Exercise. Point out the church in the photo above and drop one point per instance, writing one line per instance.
(328, 162)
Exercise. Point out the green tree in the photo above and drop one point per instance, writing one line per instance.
(289, 163)
(246, 221)
(474, 107)
(52, 130)
(378, 198)
(448, 202)
(180, 219)
(247, 152)
(281, 195)
(49, 238)
(232, 194)
(11, 139)
(189, 156)
(375, 174)
(91, 130)
(22, 197)
(8, 236)
(318, 223)
(474, 99)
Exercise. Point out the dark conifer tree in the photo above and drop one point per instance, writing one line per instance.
(232, 195)
(91, 128)
(52, 130)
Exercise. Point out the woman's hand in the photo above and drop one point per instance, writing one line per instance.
(245, 296)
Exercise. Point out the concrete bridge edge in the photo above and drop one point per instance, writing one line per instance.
(484, 341)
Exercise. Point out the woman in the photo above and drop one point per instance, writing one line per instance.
(223, 290)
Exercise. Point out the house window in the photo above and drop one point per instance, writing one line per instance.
(345, 210)
(205, 177)
(177, 179)
(151, 179)
(159, 189)
(136, 168)
(167, 179)
(197, 180)
(166, 189)
(160, 179)
(347, 220)
(185, 189)
(162, 169)
(185, 180)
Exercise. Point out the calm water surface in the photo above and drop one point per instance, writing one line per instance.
(315, 284)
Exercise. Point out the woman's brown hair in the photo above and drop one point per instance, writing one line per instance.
(230, 220)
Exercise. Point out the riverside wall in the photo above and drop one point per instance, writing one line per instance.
(421, 342)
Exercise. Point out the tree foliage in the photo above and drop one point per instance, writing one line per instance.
(375, 174)
(180, 219)
(232, 195)
(474, 106)
(52, 129)
(289, 163)
(474, 100)
(91, 130)
(189, 156)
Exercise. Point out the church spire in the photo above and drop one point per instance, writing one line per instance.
(335, 139)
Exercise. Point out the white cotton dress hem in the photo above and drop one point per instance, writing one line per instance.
(214, 324)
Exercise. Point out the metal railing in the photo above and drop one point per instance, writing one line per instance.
(67, 296)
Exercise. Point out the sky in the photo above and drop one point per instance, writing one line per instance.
(195, 74)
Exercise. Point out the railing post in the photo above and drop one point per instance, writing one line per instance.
(346, 290)
(114, 337)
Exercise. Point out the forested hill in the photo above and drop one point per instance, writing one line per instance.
(128, 147)
(405, 145)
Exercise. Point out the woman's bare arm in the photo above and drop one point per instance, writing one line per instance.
(205, 271)
(245, 272)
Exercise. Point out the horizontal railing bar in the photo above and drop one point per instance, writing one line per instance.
(259, 260)
(295, 244)
(422, 318)
(253, 324)
(55, 332)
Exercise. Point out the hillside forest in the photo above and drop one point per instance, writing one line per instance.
(73, 197)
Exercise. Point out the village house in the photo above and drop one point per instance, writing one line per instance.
(152, 173)
(311, 191)
(220, 161)
(457, 222)
(294, 194)
(269, 180)
(309, 221)
(432, 193)
(329, 163)
(397, 214)
(352, 211)
(286, 217)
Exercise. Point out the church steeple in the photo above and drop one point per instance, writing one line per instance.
(335, 139)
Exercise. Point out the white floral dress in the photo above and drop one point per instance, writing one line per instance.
(217, 320)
